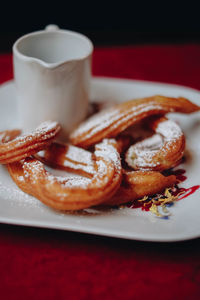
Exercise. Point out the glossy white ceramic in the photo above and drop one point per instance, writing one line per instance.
(184, 222)
(52, 70)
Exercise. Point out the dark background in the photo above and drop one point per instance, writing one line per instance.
(105, 22)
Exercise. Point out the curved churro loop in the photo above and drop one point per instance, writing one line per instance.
(71, 193)
(17, 173)
(74, 159)
(109, 123)
(69, 158)
(162, 151)
(137, 184)
(27, 145)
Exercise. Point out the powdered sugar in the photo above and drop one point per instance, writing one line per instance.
(142, 153)
(98, 121)
(70, 182)
(141, 158)
(150, 152)
(169, 130)
(113, 118)
(75, 153)
(44, 131)
(72, 158)
(21, 178)
(15, 194)
(152, 143)
(34, 170)
(79, 159)
(46, 126)
(108, 151)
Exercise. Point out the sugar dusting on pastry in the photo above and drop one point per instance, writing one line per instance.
(155, 152)
(29, 144)
(109, 184)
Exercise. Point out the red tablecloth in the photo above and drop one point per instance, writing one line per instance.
(49, 264)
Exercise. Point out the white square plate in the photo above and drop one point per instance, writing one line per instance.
(184, 222)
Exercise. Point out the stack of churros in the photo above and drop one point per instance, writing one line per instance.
(116, 156)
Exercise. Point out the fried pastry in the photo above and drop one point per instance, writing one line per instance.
(75, 159)
(109, 123)
(68, 157)
(71, 193)
(29, 144)
(137, 184)
(105, 181)
(161, 151)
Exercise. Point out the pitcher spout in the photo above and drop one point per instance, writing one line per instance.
(53, 47)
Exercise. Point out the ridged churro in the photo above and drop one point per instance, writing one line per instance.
(109, 123)
(161, 151)
(28, 144)
(71, 193)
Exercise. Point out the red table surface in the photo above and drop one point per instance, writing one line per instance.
(48, 264)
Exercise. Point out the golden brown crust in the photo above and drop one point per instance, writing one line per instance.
(69, 158)
(75, 159)
(137, 184)
(71, 193)
(161, 151)
(110, 122)
(105, 181)
(27, 145)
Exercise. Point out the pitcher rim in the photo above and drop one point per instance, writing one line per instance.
(18, 54)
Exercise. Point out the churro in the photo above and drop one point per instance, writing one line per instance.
(161, 151)
(28, 144)
(109, 123)
(71, 193)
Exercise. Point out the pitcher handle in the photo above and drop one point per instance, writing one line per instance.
(51, 27)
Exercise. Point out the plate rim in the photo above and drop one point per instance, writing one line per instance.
(151, 82)
(97, 230)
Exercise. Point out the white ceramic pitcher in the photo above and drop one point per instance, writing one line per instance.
(52, 71)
